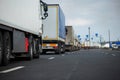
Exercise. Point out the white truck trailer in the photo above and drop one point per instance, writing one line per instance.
(76, 43)
(21, 28)
(54, 30)
(69, 43)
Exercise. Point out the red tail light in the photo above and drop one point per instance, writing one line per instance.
(55, 47)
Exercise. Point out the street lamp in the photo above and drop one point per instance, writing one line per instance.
(109, 39)
(89, 35)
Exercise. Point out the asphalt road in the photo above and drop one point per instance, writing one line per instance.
(93, 64)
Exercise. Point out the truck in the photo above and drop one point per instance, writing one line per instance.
(86, 44)
(116, 45)
(54, 33)
(21, 28)
(69, 42)
(76, 43)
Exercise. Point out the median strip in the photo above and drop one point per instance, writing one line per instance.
(12, 69)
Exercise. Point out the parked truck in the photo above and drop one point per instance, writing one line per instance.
(54, 30)
(76, 43)
(116, 45)
(69, 43)
(21, 28)
(86, 44)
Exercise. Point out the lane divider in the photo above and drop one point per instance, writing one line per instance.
(102, 52)
(63, 54)
(51, 58)
(12, 69)
(113, 54)
(106, 53)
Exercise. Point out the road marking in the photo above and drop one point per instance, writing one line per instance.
(106, 53)
(12, 69)
(113, 54)
(51, 58)
(103, 52)
(63, 54)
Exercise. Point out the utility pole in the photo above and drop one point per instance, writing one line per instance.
(89, 35)
(100, 41)
(109, 38)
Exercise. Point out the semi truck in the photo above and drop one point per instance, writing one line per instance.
(70, 40)
(21, 28)
(116, 45)
(86, 44)
(54, 33)
(76, 43)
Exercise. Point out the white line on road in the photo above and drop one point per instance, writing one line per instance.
(63, 54)
(102, 52)
(51, 58)
(113, 54)
(106, 53)
(12, 69)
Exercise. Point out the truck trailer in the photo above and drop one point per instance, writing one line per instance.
(116, 45)
(54, 33)
(76, 43)
(69, 43)
(21, 28)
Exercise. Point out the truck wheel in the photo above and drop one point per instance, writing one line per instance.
(36, 49)
(7, 48)
(30, 52)
(36, 55)
(44, 52)
(30, 48)
(71, 49)
(59, 50)
(1, 48)
(63, 48)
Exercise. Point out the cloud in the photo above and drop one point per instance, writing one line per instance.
(79, 22)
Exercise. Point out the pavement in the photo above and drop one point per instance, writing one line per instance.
(91, 64)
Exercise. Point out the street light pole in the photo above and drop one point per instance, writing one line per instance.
(100, 41)
(109, 38)
(89, 35)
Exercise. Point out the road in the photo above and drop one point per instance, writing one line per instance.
(93, 64)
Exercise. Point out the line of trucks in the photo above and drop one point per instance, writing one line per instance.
(56, 36)
(31, 27)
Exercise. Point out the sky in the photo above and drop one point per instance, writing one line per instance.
(102, 16)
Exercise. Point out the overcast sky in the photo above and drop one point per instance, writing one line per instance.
(100, 15)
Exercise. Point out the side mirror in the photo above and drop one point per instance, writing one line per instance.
(46, 14)
(45, 7)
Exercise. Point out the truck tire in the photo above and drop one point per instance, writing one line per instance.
(36, 56)
(1, 47)
(63, 48)
(6, 48)
(30, 48)
(44, 52)
(30, 52)
(59, 50)
(70, 49)
(36, 48)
